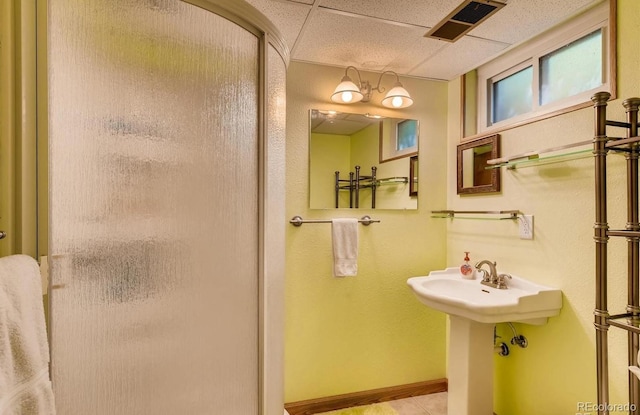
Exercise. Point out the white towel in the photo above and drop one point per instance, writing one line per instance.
(25, 388)
(345, 247)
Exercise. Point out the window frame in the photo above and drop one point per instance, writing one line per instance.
(600, 17)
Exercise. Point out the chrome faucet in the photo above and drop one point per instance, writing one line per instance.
(491, 277)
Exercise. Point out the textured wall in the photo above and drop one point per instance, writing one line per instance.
(557, 370)
(328, 152)
(363, 332)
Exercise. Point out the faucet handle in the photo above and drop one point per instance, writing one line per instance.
(501, 282)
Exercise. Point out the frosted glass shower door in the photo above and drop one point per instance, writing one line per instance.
(154, 229)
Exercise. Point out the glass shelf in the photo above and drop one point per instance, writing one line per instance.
(559, 154)
(476, 214)
(393, 180)
(380, 182)
(550, 159)
(625, 322)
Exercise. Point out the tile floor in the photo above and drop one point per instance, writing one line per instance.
(433, 404)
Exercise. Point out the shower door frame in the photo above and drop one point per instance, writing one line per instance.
(24, 165)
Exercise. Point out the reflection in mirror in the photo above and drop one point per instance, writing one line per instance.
(474, 174)
(347, 167)
(413, 176)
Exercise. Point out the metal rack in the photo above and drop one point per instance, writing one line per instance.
(356, 182)
(629, 320)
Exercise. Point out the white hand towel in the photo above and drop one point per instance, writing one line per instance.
(635, 369)
(25, 388)
(345, 247)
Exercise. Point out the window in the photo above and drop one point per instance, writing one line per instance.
(407, 135)
(558, 70)
(512, 95)
(572, 69)
(398, 139)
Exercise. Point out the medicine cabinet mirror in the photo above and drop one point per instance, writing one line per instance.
(474, 174)
(361, 161)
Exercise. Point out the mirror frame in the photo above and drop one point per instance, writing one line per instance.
(413, 176)
(494, 186)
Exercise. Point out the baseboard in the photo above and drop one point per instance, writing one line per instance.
(332, 403)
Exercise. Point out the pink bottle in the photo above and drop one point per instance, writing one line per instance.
(465, 269)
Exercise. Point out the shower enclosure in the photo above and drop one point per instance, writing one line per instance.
(166, 216)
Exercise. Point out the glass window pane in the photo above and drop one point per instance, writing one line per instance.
(512, 95)
(407, 134)
(574, 68)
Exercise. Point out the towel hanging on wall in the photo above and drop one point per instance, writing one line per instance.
(25, 388)
(635, 369)
(345, 246)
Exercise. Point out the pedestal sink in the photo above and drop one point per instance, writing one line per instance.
(473, 310)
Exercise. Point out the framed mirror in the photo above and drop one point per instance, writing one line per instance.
(361, 161)
(474, 174)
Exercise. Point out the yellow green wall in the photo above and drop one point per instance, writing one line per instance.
(557, 370)
(18, 127)
(358, 333)
(7, 124)
(330, 152)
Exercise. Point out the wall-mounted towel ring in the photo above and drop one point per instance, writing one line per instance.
(298, 221)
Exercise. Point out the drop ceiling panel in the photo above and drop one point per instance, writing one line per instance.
(520, 20)
(342, 40)
(416, 12)
(421, 49)
(458, 58)
(382, 35)
(287, 16)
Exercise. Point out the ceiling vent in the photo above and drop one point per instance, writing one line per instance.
(464, 18)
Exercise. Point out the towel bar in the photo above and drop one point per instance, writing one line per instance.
(298, 221)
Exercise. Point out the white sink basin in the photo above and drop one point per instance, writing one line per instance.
(523, 301)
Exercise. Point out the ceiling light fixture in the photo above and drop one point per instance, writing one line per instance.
(348, 92)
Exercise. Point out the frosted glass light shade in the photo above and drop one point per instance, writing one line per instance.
(347, 92)
(397, 97)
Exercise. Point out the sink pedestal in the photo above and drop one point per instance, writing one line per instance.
(473, 310)
(470, 367)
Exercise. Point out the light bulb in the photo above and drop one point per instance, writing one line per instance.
(347, 96)
(396, 102)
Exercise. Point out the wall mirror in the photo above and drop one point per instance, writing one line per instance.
(474, 174)
(361, 161)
